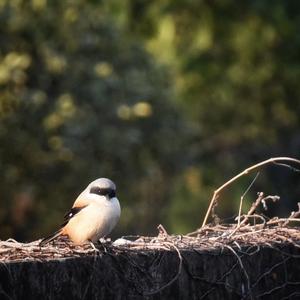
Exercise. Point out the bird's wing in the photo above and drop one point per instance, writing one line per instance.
(68, 216)
(71, 213)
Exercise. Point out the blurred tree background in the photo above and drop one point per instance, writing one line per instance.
(168, 98)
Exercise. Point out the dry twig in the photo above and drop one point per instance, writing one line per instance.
(243, 196)
(294, 214)
(246, 171)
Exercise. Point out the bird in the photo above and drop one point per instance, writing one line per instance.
(94, 214)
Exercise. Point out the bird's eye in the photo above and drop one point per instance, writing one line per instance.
(103, 192)
(96, 190)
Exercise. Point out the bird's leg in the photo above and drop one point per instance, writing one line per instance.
(100, 241)
(93, 246)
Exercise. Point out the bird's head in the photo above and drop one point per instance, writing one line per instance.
(102, 187)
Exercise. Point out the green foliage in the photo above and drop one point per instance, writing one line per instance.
(168, 98)
(237, 70)
(80, 100)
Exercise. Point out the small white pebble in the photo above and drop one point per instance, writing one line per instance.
(121, 241)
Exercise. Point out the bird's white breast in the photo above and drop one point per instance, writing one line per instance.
(94, 221)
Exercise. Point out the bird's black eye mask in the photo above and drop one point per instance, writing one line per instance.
(103, 191)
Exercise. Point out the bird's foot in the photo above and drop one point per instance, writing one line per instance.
(97, 251)
(102, 245)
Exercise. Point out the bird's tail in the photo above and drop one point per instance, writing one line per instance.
(50, 238)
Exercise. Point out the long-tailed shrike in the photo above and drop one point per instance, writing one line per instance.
(94, 214)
